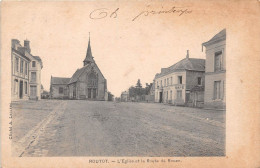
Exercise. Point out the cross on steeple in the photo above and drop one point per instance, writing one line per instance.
(89, 58)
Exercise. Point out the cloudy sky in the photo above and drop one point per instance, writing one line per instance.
(125, 50)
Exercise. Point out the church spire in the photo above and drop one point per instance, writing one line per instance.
(89, 57)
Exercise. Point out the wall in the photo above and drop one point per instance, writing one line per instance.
(174, 86)
(192, 79)
(37, 83)
(19, 77)
(82, 87)
(212, 76)
(55, 92)
(209, 91)
(210, 55)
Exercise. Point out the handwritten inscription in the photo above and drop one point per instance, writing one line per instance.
(102, 13)
(173, 10)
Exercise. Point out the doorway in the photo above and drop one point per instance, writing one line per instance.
(94, 93)
(33, 90)
(160, 97)
(21, 90)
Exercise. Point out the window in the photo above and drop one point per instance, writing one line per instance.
(171, 80)
(179, 79)
(199, 81)
(16, 64)
(217, 90)
(33, 64)
(167, 81)
(21, 66)
(161, 83)
(92, 80)
(33, 76)
(179, 94)
(171, 95)
(60, 90)
(164, 82)
(157, 84)
(15, 86)
(25, 87)
(26, 68)
(218, 61)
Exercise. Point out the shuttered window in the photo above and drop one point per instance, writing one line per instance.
(218, 61)
(217, 90)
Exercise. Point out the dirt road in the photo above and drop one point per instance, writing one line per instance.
(91, 128)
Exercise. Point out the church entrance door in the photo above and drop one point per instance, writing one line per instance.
(89, 93)
(94, 93)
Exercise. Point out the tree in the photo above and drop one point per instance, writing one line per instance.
(138, 88)
(132, 91)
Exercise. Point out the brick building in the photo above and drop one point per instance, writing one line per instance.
(26, 72)
(174, 83)
(215, 74)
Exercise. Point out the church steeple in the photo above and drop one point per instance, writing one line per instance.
(89, 58)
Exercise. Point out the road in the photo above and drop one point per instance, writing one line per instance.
(94, 128)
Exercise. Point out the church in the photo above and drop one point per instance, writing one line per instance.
(87, 82)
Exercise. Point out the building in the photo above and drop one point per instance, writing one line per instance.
(26, 72)
(124, 96)
(215, 74)
(59, 88)
(86, 83)
(35, 68)
(149, 89)
(173, 84)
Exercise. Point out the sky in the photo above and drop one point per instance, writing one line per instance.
(124, 50)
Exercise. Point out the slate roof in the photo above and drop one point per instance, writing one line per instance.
(192, 64)
(59, 81)
(39, 59)
(219, 36)
(77, 74)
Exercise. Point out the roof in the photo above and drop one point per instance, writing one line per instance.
(59, 81)
(191, 64)
(89, 57)
(218, 37)
(77, 74)
(38, 59)
(21, 54)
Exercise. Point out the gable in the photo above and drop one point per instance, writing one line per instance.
(84, 71)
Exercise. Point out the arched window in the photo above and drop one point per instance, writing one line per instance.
(92, 80)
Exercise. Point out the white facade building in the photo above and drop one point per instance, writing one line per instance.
(174, 83)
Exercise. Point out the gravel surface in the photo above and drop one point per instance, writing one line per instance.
(95, 128)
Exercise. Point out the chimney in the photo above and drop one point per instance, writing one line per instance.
(187, 56)
(27, 46)
(15, 43)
